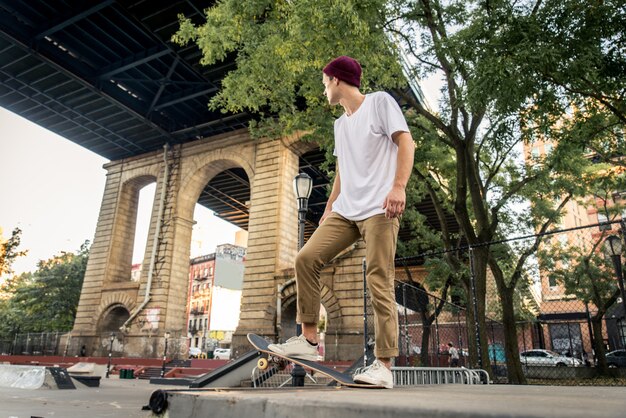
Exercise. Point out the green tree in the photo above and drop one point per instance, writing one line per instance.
(45, 300)
(468, 158)
(11, 313)
(9, 251)
(581, 53)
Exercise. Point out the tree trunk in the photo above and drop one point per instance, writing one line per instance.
(480, 256)
(598, 346)
(511, 350)
(424, 353)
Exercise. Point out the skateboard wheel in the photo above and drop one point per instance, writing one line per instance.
(262, 364)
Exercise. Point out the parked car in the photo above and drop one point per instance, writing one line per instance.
(221, 353)
(616, 358)
(194, 352)
(547, 358)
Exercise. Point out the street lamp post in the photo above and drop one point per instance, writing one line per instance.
(166, 336)
(111, 339)
(302, 186)
(613, 247)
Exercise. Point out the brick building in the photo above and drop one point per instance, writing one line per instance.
(564, 317)
(215, 284)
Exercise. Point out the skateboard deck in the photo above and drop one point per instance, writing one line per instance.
(341, 378)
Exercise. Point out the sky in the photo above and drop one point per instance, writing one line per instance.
(51, 189)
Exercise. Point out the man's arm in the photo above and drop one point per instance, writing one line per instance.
(395, 201)
(334, 194)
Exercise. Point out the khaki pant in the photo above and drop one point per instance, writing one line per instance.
(334, 235)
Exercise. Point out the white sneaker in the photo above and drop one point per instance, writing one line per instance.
(375, 374)
(297, 347)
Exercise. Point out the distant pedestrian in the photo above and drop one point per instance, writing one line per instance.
(586, 359)
(83, 351)
(454, 355)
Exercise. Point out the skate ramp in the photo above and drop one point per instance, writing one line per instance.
(87, 369)
(82, 368)
(229, 375)
(22, 377)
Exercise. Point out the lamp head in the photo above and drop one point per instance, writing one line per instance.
(302, 186)
(613, 245)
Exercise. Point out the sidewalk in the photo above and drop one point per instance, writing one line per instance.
(124, 398)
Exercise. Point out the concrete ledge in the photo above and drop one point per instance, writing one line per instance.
(442, 401)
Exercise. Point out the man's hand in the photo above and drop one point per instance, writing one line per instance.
(395, 202)
(325, 215)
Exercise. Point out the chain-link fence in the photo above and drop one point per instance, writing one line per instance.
(64, 344)
(544, 308)
(33, 343)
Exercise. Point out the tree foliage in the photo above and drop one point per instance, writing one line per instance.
(9, 251)
(46, 299)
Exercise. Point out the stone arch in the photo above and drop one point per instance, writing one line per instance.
(112, 319)
(123, 236)
(200, 172)
(195, 173)
(138, 182)
(138, 174)
(111, 301)
(328, 299)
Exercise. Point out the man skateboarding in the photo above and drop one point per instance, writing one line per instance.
(374, 151)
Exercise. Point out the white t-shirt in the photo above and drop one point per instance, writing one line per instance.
(367, 156)
(454, 353)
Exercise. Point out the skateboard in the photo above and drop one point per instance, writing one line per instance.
(280, 362)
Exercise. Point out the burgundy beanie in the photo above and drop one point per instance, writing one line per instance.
(346, 69)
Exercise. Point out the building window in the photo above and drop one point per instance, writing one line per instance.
(548, 148)
(535, 153)
(552, 281)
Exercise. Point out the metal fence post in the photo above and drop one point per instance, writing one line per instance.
(406, 325)
(437, 340)
(365, 333)
(475, 307)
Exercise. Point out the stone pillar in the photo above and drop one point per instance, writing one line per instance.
(272, 240)
(99, 256)
(107, 283)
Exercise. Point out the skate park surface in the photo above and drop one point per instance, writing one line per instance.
(124, 398)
